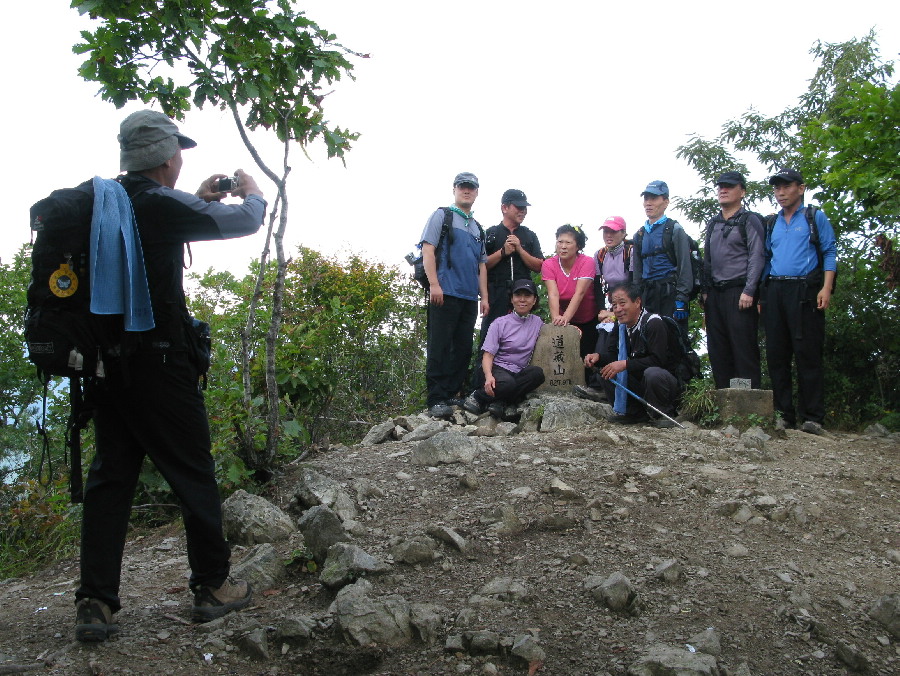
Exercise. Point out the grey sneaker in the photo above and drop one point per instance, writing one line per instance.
(812, 427)
(441, 410)
(472, 405)
(585, 392)
(93, 621)
(210, 603)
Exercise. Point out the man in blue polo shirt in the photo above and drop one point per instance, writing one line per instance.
(799, 279)
(662, 270)
(455, 267)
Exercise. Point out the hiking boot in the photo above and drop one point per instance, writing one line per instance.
(511, 413)
(812, 427)
(586, 392)
(662, 423)
(629, 419)
(441, 410)
(93, 621)
(472, 405)
(497, 409)
(211, 603)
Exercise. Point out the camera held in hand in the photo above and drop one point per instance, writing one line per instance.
(226, 184)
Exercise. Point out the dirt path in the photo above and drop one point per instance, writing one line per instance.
(781, 552)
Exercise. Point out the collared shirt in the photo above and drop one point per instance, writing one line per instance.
(511, 339)
(567, 284)
(792, 254)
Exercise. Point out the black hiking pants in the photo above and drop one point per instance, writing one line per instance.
(451, 332)
(795, 330)
(158, 414)
(732, 337)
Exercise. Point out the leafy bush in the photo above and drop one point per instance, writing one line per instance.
(698, 402)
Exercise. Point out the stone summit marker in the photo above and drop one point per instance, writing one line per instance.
(557, 352)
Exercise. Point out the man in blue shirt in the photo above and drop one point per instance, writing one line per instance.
(799, 279)
(663, 272)
(457, 275)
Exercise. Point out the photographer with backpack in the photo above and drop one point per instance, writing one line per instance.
(151, 404)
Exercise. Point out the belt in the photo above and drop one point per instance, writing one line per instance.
(787, 278)
(729, 283)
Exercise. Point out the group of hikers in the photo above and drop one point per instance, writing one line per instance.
(781, 268)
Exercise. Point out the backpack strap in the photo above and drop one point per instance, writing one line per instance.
(446, 231)
(668, 240)
(811, 212)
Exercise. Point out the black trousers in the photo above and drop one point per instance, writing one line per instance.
(158, 413)
(655, 385)
(498, 299)
(795, 330)
(732, 337)
(451, 329)
(658, 296)
(509, 387)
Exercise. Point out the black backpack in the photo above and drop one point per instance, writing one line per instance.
(668, 246)
(687, 366)
(446, 233)
(64, 338)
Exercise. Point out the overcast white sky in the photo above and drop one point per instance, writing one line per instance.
(579, 104)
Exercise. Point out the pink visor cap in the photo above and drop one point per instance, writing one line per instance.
(614, 223)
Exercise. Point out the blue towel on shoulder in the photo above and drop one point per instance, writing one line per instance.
(118, 277)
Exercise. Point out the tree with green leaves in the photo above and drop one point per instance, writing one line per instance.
(262, 60)
(843, 135)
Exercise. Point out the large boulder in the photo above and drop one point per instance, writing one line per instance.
(251, 519)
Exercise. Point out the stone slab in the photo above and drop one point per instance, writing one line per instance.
(558, 353)
(740, 402)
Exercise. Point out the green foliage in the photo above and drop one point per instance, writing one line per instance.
(698, 402)
(349, 354)
(37, 525)
(843, 134)
(891, 421)
(258, 55)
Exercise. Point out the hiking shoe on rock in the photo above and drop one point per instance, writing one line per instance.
(497, 409)
(812, 427)
(585, 392)
(441, 410)
(93, 621)
(472, 405)
(662, 423)
(629, 419)
(211, 603)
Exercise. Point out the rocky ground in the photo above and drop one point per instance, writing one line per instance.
(588, 550)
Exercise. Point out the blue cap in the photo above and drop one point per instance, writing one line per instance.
(656, 188)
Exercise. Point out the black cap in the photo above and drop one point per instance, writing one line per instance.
(732, 178)
(524, 285)
(465, 177)
(513, 196)
(786, 176)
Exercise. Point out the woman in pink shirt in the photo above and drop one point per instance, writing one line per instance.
(569, 277)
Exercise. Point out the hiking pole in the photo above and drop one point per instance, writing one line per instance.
(644, 402)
